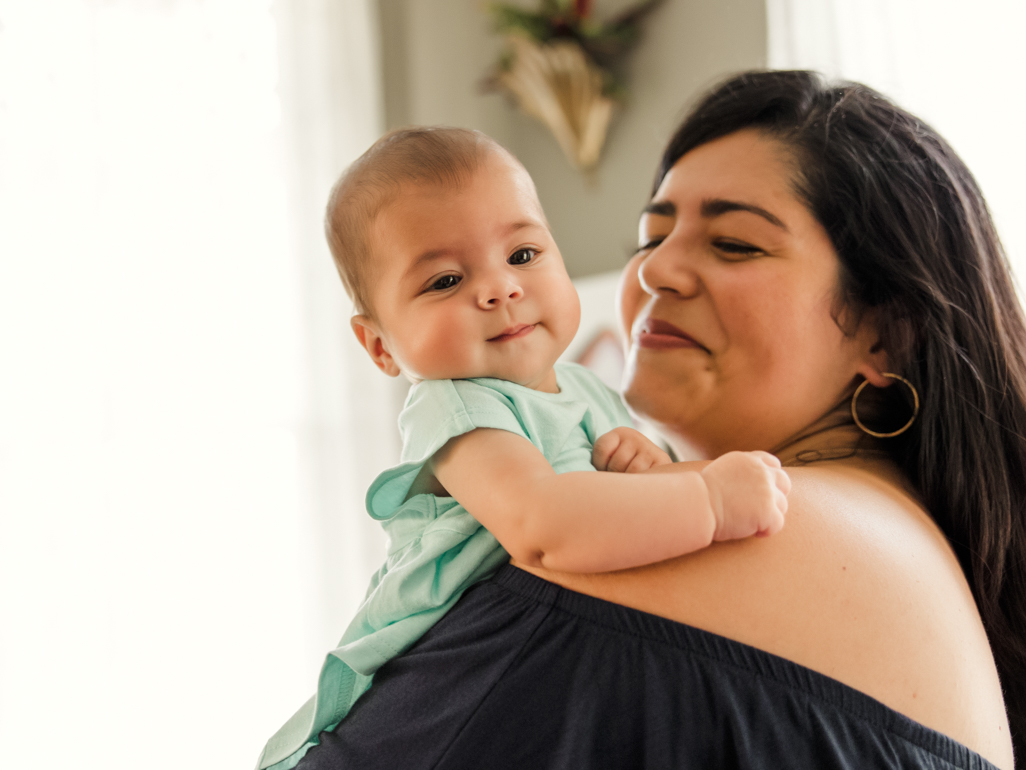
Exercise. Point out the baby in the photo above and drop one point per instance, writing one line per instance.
(442, 244)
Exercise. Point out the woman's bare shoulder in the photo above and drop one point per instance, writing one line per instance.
(859, 585)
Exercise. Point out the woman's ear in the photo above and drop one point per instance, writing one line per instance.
(884, 348)
(369, 335)
(874, 366)
(875, 360)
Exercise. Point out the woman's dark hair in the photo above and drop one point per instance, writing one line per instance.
(917, 248)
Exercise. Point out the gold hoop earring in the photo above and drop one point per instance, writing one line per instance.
(903, 428)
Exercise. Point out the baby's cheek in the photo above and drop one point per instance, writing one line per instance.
(445, 352)
(569, 310)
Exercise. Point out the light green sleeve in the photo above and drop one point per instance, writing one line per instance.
(436, 551)
(436, 411)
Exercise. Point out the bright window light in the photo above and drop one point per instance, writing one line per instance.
(153, 566)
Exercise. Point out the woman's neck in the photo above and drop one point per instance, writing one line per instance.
(832, 438)
(834, 443)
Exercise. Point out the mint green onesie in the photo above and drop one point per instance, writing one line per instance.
(436, 549)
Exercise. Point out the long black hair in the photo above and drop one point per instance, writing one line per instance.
(918, 247)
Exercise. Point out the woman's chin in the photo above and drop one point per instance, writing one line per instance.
(665, 395)
(671, 416)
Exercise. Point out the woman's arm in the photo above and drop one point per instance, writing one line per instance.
(597, 522)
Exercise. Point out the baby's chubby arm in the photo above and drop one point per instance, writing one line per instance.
(581, 521)
(736, 481)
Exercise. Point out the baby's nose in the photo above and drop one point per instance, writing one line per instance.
(495, 296)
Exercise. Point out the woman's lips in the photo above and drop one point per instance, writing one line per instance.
(513, 332)
(654, 334)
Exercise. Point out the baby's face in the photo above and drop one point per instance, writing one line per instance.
(469, 282)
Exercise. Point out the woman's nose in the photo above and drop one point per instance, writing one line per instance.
(668, 270)
(497, 292)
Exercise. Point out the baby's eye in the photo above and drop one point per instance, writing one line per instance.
(445, 282)
(521, 256)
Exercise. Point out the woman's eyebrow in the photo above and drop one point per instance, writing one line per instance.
(714, 207)
(660, 209)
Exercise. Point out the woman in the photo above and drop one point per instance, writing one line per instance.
(818, 277)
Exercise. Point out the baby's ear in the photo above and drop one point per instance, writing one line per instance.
(369, 335)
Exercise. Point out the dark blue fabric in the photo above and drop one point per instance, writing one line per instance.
(524, 674)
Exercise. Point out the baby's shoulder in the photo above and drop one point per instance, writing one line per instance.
(437, 410)
(584, 385)
(456, 396)
(571, 375)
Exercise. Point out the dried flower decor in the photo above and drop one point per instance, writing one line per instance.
(558, 68)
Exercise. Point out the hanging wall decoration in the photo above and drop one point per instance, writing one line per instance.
(558, 67)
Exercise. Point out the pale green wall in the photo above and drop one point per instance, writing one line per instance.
(435, 53)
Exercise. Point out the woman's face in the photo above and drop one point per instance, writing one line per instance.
(728, 306)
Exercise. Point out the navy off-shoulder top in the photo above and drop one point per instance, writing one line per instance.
(524, 674)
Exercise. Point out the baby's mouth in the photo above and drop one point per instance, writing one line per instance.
(513, 332)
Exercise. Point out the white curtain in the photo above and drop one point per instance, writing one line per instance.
(958, 65)
(186, 430)
(332, 103)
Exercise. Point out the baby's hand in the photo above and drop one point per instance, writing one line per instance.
(625, 450)
(748, 492)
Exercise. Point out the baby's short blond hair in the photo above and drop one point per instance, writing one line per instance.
(436, 155)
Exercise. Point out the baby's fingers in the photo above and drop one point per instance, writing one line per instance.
(783, 481)
(775, 522)
(624, 458)
(604, 449)
(640, 463)
(771, 460)
(781, 502)
(645, 455)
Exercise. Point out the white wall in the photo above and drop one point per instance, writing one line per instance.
(957, 65)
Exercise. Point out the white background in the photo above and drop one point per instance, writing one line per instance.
(185, 426)
(186, 429)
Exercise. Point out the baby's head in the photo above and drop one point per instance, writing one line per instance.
(442, 244)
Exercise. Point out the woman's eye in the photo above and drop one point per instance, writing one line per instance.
(737, 248)
(445, 282)
(649, 245)
(521, 256)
